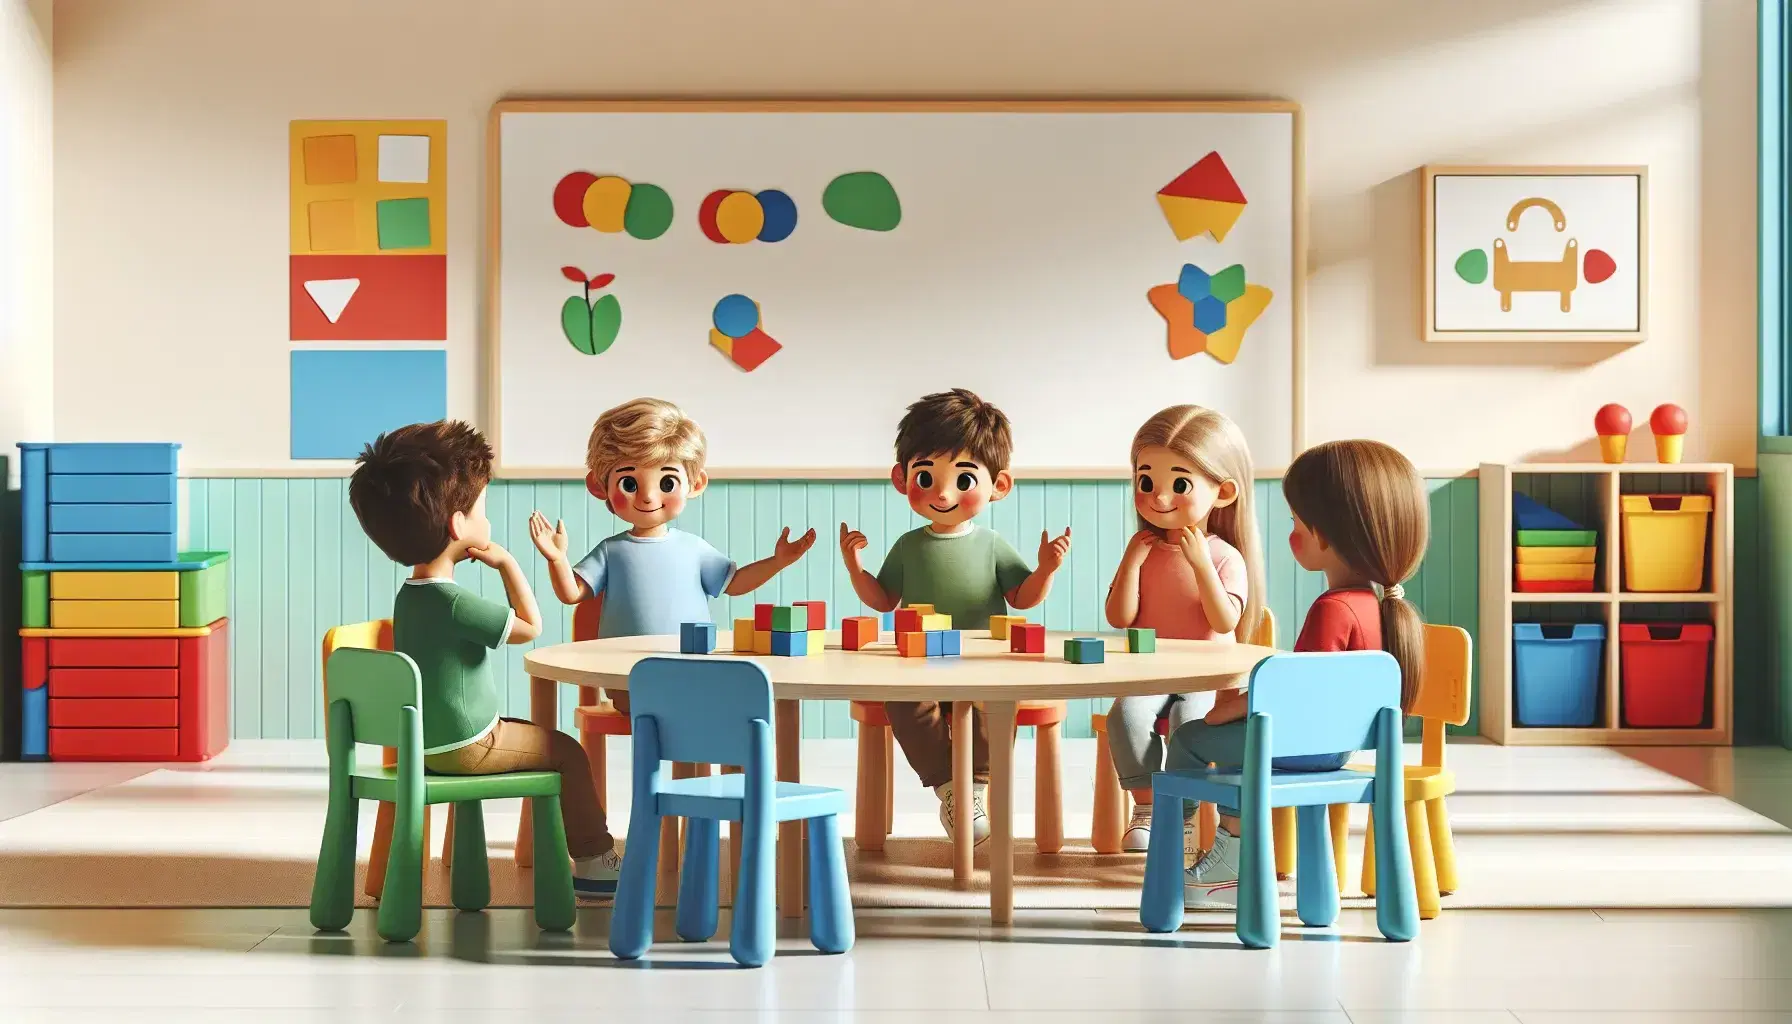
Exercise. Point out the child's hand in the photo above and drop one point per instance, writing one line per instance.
(788, 551)
(1139, 548)
(491, 554)
(851, 543)
(550, 541)
(1194, 546)
(1052, 552)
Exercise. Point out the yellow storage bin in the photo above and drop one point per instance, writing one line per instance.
(1557, 556)
(1556, 573)
(115, 586)
(1664, 541)
(114, 614)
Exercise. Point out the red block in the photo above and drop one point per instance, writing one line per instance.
(1026, 638)
(818, 612)
(762, 617)
(908, 620)
(858, 632)
(399, 298)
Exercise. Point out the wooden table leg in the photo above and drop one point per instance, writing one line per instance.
(1001, 810)
(963, 793)
(544, 710)
(789, 728)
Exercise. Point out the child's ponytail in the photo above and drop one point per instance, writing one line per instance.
(1366, 501)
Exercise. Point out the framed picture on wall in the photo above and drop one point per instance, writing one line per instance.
(1535, 254)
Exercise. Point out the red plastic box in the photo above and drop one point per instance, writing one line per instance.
(1666, 672)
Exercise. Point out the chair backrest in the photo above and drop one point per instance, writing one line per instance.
(1444, 692)
(1324, 703)
(376, 686)
(703, 709)
(375, 634)
(1266, 630)
(586, 617)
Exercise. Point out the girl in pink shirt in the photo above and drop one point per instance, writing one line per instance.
(1194, 571)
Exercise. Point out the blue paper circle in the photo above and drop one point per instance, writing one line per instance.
(780, 215)
(736, 316)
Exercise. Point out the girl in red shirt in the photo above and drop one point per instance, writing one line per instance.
(1361, 516)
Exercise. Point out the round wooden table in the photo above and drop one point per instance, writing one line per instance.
(986, 673)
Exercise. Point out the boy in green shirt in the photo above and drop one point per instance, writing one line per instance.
(952, 451)
(419, 493)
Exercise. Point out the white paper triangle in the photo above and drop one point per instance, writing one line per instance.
(332, 295)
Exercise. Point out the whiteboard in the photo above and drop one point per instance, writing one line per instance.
(1030, 234)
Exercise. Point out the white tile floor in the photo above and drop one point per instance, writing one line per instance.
(1724, 966)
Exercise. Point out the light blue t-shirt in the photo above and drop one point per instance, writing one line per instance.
(652, 585)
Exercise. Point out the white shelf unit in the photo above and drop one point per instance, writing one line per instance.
(1498, 596)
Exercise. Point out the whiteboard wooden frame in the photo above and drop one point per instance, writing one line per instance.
(494, 256)
(1428, 176)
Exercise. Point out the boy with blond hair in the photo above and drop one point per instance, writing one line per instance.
(645, 462)
(952, 451)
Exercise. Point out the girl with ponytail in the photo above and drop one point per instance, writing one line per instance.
(1361, 517)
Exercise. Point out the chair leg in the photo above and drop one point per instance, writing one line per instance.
(1207, 824)
(1424, 868)
(333, 887)
(734, 838)
(1048, 801)
(631, 918)
(401, 901)
(698, 879)
(666, 886)
(1315, 878)
(868, 810)
(447, 837)
(1106, 823)
(1339, 814)
(964, 842)
(1259, 909)
(1369, 855)
(1160, 901)
(1286, 844)
(1443, 844)
(556, 906)
(830, 898)
(889, 781)
(1396, 898)
(756, 910)
(470, 877)
(382, 849)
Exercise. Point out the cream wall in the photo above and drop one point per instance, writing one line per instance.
(25, 232)
(170, 173)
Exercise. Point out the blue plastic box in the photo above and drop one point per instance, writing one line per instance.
(129, 492)
(1555, 674)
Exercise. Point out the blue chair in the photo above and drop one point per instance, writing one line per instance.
(715, 711)
(1300, 704)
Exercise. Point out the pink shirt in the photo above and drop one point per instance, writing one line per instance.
(1169, 599)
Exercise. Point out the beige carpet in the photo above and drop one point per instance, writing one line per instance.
(1587, 828)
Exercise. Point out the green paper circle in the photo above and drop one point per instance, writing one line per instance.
(649, 212)
(1471, 266)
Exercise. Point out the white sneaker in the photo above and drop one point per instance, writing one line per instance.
(1214, 878)
(596, 876)
(979, 814)
(1138, 831)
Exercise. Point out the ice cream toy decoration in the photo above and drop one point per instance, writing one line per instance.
(1668, 423)
(1612, 423)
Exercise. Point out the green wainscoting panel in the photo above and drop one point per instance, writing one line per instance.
(300, 564)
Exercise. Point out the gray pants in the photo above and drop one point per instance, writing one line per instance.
(1132, 732)
(1198, 745)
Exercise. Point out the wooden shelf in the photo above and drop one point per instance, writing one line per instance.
(1498, 598)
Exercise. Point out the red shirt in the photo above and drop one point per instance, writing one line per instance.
(1346, 619)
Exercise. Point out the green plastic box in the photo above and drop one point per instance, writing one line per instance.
(36, 607)
(204, 591)
(1558, 538)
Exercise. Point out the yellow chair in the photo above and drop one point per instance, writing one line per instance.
(1443, 699)
(1108, 823)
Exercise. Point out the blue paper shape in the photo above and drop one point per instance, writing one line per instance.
(1530, 514)
(780, 215)
(344, 398)
(1210, 315)
(736, 316)
(1194, 284)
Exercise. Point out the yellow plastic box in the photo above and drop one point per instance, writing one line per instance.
(1557, 556)
(1555, 573)
(1664, 541)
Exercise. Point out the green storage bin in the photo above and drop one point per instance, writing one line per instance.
(36, 605)
(204, 592)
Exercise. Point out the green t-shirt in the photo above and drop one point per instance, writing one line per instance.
(964, 575)
(450, 632)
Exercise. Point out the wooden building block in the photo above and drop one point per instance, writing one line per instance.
(788, 619)
(858, 632)
(743, 636)
(1026, 638)
(1084, 651)
(818, 612)
(934, 623)
(911, 645)
(1141, 641)
(762, 616)
(999, 625)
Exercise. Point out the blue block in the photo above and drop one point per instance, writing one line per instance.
(1194, 284)
(1085, 651)
(1210, 315)
(790, 645)
(114, 488)
(696, 637)
(34, 510)
(114, 458)
(888, 620)
(34, 726)
(936, 643)
(112, 547)
(113, 518)
(951, 643)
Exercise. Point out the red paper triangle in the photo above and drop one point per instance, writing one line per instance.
(1207, 179)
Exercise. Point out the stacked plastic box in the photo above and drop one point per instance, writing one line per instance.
(1554, 554)
(126, 641)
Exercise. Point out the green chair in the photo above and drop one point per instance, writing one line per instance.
(374, 697)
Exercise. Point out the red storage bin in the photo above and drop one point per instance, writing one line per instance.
(1666, 673)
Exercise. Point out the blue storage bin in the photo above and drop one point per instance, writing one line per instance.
(1555, 673)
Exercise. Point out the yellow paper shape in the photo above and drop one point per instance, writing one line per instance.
(1241, 313)
(332, 225)
(1191, 217)
(740, 218)
(722, 341)
(606, 200)
(356, 230)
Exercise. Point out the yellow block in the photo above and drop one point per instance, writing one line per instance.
(934, 623)
(114, 614)
(115, 586)
(924, 609)
(762, 641)
(743, 636)
(1557, 556)
(818, 642)
(999, 624)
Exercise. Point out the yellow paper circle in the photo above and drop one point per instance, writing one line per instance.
(740, 217)
(606, 199)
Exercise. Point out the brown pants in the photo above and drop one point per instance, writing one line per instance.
(923, 730)
(514, 745)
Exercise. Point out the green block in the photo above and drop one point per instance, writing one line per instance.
(36, 608)
(1141, 641)
(403, 223)
(1085, 651)
(790, 620)
(1557, 538)
(205, 593)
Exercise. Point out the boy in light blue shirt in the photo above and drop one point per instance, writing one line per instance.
(645, 462)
